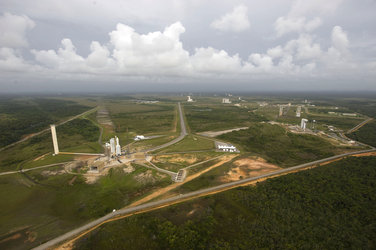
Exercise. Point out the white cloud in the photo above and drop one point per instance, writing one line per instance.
(13, 30)
(284, 25)
(339, 39)
(209, 60)
(298, 19)
(235, 21)
(151, 52)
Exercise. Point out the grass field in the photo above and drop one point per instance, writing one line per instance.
(189, 143)
(49, 205)
(142, 118)
(280, 147)
(218, 117)
(328, 207)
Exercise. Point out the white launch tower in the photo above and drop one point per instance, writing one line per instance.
(303, 124)
(118, 148)
(112, 145)
(54, 139)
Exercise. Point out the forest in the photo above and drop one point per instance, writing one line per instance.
(20, 117)
(327, 207)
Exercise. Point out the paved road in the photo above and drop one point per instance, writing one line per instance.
(184, 197)
(46, 130)
(183, 133)
(29, 169)
(359, 126)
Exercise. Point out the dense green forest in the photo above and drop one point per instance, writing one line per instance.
(366, 134)
(19, 117)
(278, 146)
(328, 207)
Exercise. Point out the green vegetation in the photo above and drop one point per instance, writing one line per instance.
(328, 207)
(189, 143)
(218, 117)
(19, 117)
(49, 203)
(278, 146)
(79, 135)
(366, 134)
(142, 118)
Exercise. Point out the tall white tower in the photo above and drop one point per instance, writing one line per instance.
(112, 145)
(298, 111)
(118, 148)
(280, 110)
(303, 124)
(54, 139)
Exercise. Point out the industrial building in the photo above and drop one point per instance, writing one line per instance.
(225, 147)
(226, 100)
(189, 99)
(303, 124)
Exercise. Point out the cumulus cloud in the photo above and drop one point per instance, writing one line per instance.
(284, 25)
(148, 52)
(11, 60)
(13, 30)
(235, 21)
(298, 19)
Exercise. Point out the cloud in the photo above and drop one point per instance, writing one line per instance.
(235, 21)
(13, 30)
(298, 19)
(11, 60)
(284, 25)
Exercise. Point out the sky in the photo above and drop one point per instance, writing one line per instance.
(180, 45)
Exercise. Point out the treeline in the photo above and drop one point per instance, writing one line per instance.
(21, 117)
(328, 207)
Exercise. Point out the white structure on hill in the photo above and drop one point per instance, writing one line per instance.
(189, 99)
(226, 100)
(227, 148)
(54, 139)
(303, 124)
(112, 146)
(118, 148)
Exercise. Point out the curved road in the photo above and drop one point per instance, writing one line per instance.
(183, 133)
(184, 197)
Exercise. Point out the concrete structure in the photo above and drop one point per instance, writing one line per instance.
(189, 99)
(107, 150)
(54, 139)
(139, 138)
(280, 110)
(112, 146)
(303, 124)
(118, 148)
(349, 114)
(298, 111)
(226, 100)
(225, 147)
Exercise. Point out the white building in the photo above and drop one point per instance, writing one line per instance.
(139, 138)
(226, 100)
(118, 148)
(112, 146)
(227, 148)
(189, 99)
(303, 124)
